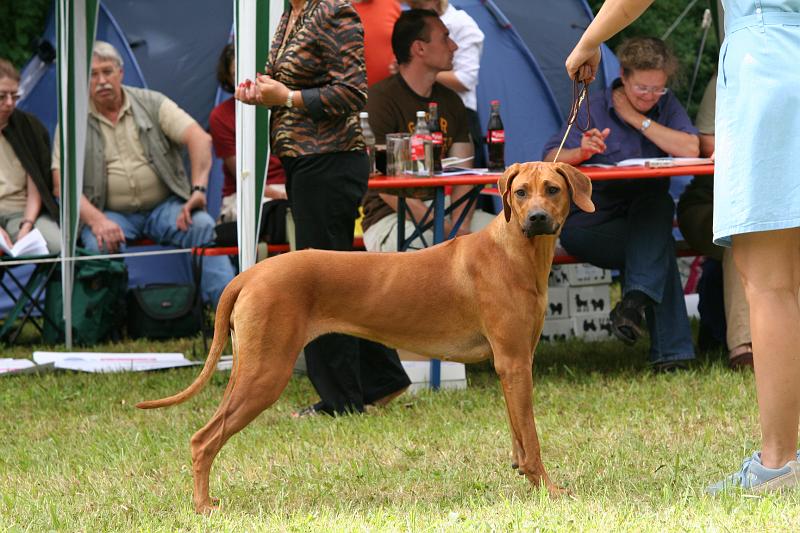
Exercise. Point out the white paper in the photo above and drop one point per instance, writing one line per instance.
(113, 362)
(657, 162)
(31, 244)
(9, 365)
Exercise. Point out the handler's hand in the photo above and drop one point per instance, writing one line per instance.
(196, 201)
(108, 234)
(593, 142)
(582, 63)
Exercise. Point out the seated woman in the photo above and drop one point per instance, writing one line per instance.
(222, 126)
(631, 229)
(25, 179)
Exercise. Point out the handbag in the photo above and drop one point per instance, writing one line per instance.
(164, 311)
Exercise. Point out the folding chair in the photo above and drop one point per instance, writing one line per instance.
(27, 297)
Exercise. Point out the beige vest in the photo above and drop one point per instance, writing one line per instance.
(164, 155)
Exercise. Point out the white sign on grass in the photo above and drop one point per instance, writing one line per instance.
(113, 362)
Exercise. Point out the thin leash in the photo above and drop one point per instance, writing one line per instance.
(578, 96)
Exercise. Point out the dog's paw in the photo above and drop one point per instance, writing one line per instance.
(208, 507)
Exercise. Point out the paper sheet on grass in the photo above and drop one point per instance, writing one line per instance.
(113, 362)
(22, 366)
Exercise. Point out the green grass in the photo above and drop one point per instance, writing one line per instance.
(635, 449)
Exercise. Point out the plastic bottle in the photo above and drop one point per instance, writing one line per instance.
(369, 140)
(421, 148)
(437, 138)
(496, 139)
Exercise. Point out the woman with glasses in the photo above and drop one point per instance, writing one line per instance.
(26, 194)
(631, 229)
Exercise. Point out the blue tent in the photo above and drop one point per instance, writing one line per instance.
(171, 47)
(522, 65)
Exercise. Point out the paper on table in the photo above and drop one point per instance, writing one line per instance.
(31, 244)
(661, 162)
(113, 362)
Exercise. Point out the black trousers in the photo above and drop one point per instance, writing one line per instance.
(325, 191)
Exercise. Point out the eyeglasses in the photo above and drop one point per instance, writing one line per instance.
(14, 96)
(644, 89)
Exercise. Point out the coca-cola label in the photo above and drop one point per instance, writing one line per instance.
(418, 147)
(437, 137)
(497, 136)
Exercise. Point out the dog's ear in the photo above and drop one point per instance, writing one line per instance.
(504, 184)
(579, 184)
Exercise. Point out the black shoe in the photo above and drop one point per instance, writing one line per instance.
(626, 323)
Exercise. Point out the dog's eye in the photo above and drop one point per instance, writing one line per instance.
(553, 190)
(520, 193)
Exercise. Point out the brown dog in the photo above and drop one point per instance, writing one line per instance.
(449, 301)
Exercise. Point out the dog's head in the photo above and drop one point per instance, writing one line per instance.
(537, 195)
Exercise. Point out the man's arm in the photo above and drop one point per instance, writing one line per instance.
(198, 144)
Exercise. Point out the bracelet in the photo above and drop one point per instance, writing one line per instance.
(200, 188)
(25, 221)
(289, 100)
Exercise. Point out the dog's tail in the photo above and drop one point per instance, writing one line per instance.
(222, 328)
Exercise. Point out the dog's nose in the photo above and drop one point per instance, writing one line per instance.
(538, 217)
(539, 223)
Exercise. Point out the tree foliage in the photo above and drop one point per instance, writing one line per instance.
(21, 24)
(684, 41)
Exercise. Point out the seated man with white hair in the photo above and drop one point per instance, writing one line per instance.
(134, 182)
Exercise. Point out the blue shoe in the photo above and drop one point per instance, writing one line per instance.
(755, 477)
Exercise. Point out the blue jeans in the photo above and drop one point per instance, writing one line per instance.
(160, 226)
(641, 246)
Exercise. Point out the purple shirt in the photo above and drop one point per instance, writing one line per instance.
(611, 198)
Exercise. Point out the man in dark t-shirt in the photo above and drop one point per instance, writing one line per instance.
(423, 48)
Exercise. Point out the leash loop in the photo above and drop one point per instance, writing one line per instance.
(580, 92)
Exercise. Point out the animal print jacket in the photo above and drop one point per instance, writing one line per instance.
(323, 58)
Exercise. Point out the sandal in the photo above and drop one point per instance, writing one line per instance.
(741, 357)
(626, 323)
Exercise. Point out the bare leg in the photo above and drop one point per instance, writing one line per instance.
(769, 263)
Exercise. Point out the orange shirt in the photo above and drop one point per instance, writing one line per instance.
(378, 18)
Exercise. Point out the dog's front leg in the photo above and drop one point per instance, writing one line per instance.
(515, 370)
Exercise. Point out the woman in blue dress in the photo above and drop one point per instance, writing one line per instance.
(756, 203)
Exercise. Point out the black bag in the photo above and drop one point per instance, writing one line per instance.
(98, 303)
(273, 226)
(164, 311)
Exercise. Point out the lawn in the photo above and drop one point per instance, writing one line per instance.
(635, 449)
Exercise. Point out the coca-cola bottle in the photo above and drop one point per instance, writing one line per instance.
(369, 140)
(496, 139)
(421, 148)
(437, 138)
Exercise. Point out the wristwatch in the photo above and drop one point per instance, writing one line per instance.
(645, 124)
(289, 102)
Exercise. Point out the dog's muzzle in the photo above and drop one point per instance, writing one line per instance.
(539, 223)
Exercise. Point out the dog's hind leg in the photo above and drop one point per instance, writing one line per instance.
(262, 369)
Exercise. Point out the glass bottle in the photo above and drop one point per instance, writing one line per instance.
(369, 140)
(437, 138)
(421, 148)
(496, 139)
